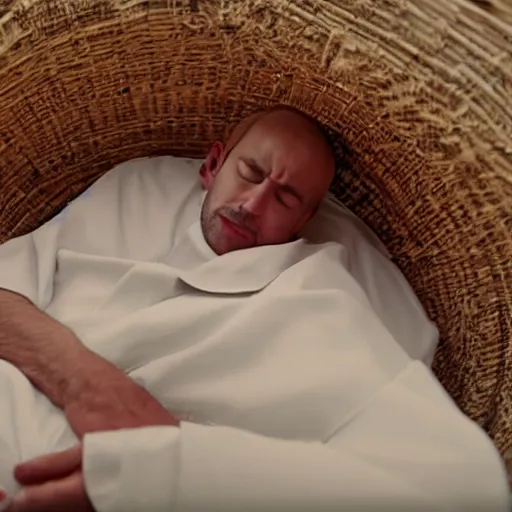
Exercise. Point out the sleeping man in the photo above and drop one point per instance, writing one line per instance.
(169, 343)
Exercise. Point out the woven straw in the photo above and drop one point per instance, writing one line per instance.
(417, 92)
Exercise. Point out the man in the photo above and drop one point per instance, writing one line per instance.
(225, 364)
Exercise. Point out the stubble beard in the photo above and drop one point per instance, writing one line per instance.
(206, 220)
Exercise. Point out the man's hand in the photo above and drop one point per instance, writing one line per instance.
(52, 483)
(101, 397)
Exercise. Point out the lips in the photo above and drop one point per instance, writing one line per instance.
(235, 229)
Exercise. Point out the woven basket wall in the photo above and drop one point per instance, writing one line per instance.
(417, 91)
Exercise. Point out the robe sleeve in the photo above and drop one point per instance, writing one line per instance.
(28, 263)
(409, 448)
(126, 213)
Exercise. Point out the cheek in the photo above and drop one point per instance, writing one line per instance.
(279, 227)
(224, 191)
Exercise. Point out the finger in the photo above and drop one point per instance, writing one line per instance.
(65, 495)
(49, 467)
(4, 500)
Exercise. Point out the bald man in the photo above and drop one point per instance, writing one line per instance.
(267, 183)
(169, 343)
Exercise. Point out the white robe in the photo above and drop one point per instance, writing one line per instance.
(295, 394)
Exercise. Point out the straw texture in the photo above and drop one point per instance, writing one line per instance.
(416, 94)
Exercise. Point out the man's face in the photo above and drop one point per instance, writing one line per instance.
(268, 187)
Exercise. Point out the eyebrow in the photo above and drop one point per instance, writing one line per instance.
(287, 188)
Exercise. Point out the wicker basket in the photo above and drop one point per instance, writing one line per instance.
(417, 94)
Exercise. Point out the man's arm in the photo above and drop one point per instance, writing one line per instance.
(408, 448)
(94, 394)
(47, 352)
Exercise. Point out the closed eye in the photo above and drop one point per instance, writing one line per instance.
(286, 199)
(250, 173)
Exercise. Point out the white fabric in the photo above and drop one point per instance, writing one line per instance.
(297, 396)
(388, 291)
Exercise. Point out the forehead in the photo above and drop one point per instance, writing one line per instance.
(289, 145)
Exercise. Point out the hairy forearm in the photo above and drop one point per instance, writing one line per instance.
(47, 352)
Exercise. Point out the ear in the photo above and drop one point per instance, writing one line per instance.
(211, 165)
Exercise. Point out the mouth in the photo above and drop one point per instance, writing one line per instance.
(235, 229)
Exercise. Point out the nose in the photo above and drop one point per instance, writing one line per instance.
(258, 198)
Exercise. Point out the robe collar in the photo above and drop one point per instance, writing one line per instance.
(247, 270)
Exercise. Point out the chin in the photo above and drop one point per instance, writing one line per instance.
(232, 247)
(222, 244)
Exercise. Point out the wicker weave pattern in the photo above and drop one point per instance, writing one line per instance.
(419, 91)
